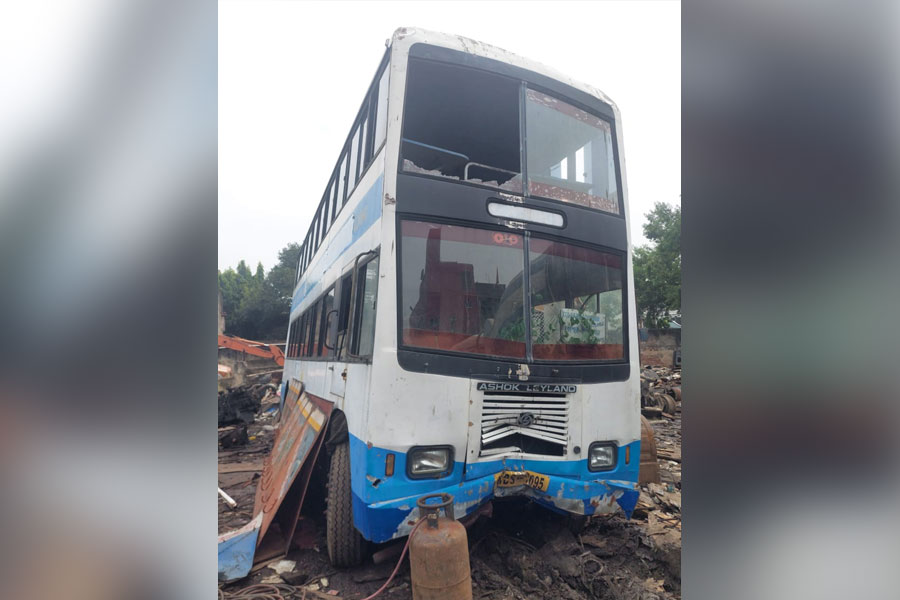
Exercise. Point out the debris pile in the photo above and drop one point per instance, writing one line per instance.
(240, 404)
(660, 391)
(526, 552)
(523, 551)
(668, 449)
(531, 554)
(243, 448)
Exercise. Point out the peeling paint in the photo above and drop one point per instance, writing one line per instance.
(523, 372)
(511, 198)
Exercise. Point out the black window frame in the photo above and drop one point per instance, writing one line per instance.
(527, 80)
(344, 285)
(353, 147)
(526, 305)
(356, 299)
(303, 336)
(311, 314)
(455, 65)
(333, 193)
(312, 322)
(526, 183)
(317, 221)
(419, 196)
(322, 350)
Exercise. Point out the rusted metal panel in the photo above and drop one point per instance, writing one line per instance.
(282, 486)
(302, 421)
(649, 466)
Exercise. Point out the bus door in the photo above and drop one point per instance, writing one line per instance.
(337, 371)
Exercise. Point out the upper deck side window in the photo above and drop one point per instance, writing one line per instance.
(381, 110)
(462, 124)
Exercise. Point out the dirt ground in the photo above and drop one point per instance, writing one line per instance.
(522, 551)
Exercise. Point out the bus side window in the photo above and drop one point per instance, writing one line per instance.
(343, 316)
(364, 321)
(301, 337)
(353, 172)
(311, 326)
(328, 323)
(292, 338)
(381, 111)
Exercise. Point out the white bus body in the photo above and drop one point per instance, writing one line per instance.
(517, 409)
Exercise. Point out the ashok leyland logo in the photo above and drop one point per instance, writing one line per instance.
(525, 419)
(527, 388)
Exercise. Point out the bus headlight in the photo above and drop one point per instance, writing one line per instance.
(426, 462)
(601, 456)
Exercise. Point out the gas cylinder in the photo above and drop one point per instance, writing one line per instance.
(439, 553)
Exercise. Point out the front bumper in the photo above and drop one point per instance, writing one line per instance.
(389, 519)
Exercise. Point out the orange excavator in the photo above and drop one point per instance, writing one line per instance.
(251, 347)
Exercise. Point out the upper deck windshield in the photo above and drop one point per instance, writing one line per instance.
(463, 291)
(463, 124)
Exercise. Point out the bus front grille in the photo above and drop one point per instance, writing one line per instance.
(532, 424)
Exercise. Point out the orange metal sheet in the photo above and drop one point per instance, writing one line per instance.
(303, 421)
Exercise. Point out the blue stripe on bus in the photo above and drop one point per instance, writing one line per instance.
(366, 214)
(380, 503)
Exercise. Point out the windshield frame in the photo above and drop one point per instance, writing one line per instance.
(441, 200)
(528, 80)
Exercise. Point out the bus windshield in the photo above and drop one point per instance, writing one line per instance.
(462, 292)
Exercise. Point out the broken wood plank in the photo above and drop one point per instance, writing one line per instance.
(665, 453)
(240, 467)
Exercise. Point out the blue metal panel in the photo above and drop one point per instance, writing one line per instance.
(236, 550)
(381, 504)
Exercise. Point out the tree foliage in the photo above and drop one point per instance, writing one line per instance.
(257, 305)
(657, 267)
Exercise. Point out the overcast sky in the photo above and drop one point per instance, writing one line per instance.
(293, 74)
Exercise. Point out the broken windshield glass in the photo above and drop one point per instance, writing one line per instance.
(462, 124)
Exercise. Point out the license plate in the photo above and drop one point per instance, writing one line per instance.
(516, 478)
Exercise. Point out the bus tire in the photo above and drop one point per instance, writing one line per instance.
(345, 544)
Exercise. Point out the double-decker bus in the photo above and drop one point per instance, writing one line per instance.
(464, 296)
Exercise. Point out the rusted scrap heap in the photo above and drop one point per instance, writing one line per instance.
(240, 404)
(660, 391)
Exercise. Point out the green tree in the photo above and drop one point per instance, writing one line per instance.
(257, 305)
(657, 266)
(280, 283)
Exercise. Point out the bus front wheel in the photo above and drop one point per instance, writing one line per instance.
(345, 544)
